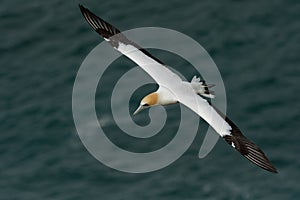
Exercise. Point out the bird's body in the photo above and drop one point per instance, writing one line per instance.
(172, 89)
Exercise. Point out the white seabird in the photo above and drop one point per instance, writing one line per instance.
(172, 89)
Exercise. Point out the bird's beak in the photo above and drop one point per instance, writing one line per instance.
(140, 108)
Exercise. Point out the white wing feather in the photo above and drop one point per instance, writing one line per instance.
(159, 72)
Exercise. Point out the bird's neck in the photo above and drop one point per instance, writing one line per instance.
(165, 96)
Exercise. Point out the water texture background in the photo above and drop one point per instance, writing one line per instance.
(256, 46)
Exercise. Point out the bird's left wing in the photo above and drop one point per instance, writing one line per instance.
(153, 66)
(224, 127)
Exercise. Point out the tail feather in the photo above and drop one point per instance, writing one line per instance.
(202, 88)
(209, 85)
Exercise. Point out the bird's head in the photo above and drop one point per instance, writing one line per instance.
(147, 101)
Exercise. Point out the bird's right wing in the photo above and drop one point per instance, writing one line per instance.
(224, 127)
(153, 66)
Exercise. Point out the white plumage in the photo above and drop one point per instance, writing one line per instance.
(172, 90)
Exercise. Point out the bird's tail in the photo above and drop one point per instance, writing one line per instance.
(202, 88)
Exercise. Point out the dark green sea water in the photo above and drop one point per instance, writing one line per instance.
(255, 45)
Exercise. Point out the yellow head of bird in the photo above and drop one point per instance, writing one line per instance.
(147, 101)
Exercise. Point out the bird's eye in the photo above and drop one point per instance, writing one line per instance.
(145, 104)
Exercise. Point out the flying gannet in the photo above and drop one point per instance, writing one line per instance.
(172, 89)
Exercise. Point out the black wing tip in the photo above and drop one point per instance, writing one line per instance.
(102, 27)
(250, 151)
(273, 170)
(247, 148)
(82, 8)
(264, 163)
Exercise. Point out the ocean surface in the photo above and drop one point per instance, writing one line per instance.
(255, 45)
